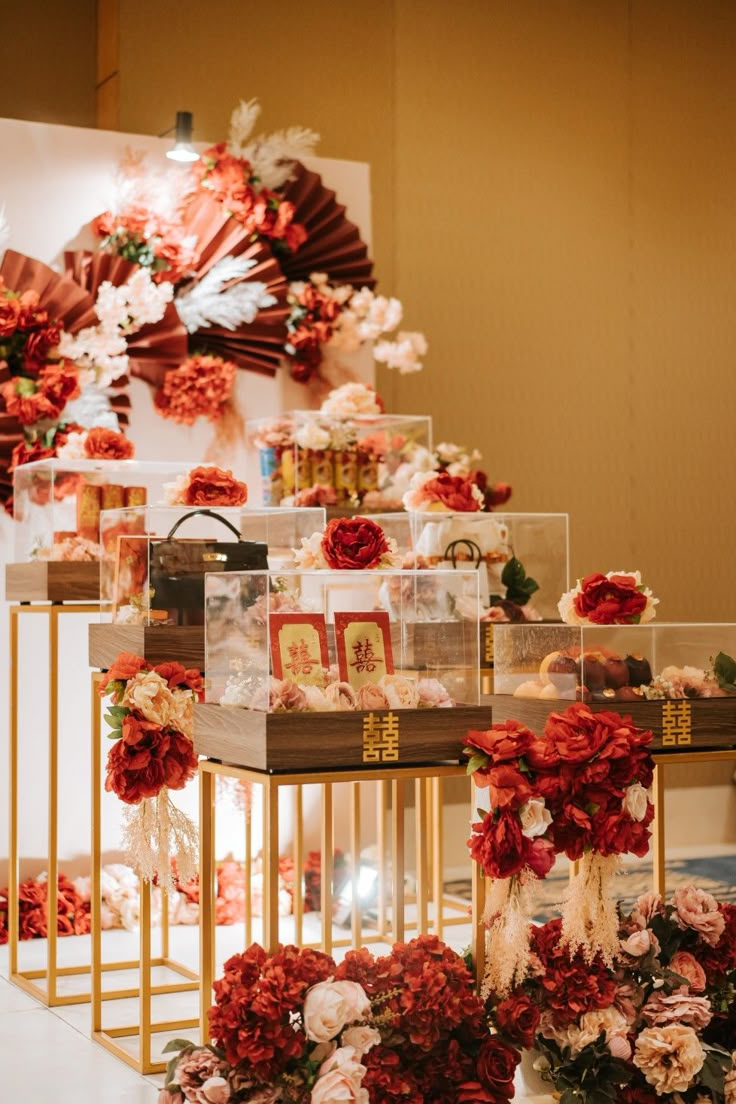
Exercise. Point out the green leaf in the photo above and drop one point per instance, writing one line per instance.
(519, 585)
(476, 762)
(177, 1045)
(724, 668)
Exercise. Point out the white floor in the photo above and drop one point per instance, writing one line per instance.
(47, 1055)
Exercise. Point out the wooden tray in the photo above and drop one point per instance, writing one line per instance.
(52, 581)
(677, 724)
(278, 742)
(156, 643)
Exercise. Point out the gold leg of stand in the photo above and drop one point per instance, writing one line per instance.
(659, 856)
(96, 852)
(356, 912)
(381, 806)
(438, 887)
(421, 820)
(270, 789)
(13, 873)
(298, 903)
(328, 851)
(27, 979)
(207, 893)
(397, 859)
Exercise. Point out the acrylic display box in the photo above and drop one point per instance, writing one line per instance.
(159, 614)
(329, 669)
(363, 462)
(679, 680)
(496, 543)
(57, 503)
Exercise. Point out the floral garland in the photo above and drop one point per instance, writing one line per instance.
(580, 790)
(659, 1022)
(294, 1026)
(151, 720)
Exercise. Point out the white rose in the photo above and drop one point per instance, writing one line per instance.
(636, 801)
(330, 1005)
(311, 435)
(535, 817)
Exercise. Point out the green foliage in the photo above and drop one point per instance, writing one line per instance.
(519, 585)
(724, 668)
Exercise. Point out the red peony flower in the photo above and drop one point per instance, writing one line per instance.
(498, 494)
(211, 486)
(59, 383)
(454, 492)
(27, 406)
(177, 675)
(200, 387)
(9, 315)
(614, 600)
(498, 845)
(26, 454)
(354, 543)
(106, 444)
(502, 742)
(147, 758)
(39, 345)
(518, 1018)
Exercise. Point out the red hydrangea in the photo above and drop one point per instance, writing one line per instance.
(572, 985)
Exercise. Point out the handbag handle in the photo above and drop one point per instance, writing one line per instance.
(205, 513)
(475, 553)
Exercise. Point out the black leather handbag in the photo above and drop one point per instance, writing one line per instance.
(178, 566)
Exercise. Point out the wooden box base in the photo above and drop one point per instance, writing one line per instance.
(677, 724)
(155, 643)
(52, 581)
(281, 742)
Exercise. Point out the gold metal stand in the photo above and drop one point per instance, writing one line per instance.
(29, 980)
(391, 922)
(186, 980)
(662, 761)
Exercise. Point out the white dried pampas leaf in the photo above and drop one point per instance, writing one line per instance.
(4, 229)
(273, 155)
(210, 303)
(242, 121)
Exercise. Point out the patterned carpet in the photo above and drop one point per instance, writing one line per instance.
(714, 873)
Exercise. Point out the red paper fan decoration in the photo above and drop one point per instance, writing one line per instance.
(333, 244)
(90, 270)
(258, 346)
(62, 296)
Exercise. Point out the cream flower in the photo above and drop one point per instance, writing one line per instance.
(361, 1037)
(535, 817)
(350, 400)
(729, 1085)
(310, 556)
(150, 695)
(313, 436)
(370, 696)
(340, 695)
(401, 692)
(669, 1057)
(678, 1007)
(636, 801)
(339, 1079)
(330, 1005)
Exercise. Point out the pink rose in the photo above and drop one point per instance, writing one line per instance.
(698, 910)
(361, 1037)
(640, 943)
(678, 1007)
(687, 966)
(215, 1090)
(371, 696)
(339, 1079)
(287, 695)
(433, 694)
(647, 906)
(340, 695)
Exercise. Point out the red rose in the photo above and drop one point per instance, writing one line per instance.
(214, 487)
(496, 1065)
(518, 1018)
(472, 1092)
(353, 543)
(106, 444)
(454, 492)
(610, 601)
(539, 855)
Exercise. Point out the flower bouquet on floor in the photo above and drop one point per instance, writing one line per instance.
(658, 1023)
(294, 1027)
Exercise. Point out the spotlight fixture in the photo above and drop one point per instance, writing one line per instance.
(182, 149)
